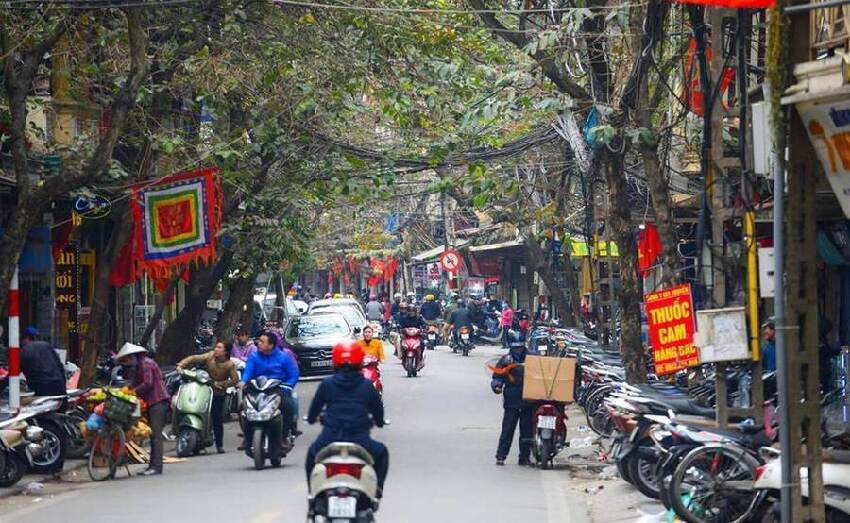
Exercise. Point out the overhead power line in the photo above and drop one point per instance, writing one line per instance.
(417, 10)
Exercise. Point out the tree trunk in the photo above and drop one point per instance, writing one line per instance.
(178, 339)
(19, 69)
(241, 297)
(660, 191)
(538, 263)
(98, 337)
(620, 221)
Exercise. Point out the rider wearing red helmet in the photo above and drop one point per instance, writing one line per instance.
(351, 405)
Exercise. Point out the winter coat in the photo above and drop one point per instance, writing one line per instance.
(223, 373)
(510, 383)
(348, 400)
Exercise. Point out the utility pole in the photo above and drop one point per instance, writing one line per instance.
(14, 343)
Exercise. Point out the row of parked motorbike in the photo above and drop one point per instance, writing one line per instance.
(666, 443)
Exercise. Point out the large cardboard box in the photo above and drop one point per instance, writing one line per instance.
(547, 378)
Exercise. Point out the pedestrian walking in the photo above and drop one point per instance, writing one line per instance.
(507, 322)
(223, 373)
(148, 384)
(507, 381)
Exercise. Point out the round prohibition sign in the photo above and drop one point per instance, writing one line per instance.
(450, 261)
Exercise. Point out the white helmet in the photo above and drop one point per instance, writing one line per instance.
(397, 295)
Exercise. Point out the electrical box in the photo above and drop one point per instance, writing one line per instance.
(762, 138)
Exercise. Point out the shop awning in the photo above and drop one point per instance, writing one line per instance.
(433, 254)
(495, 246)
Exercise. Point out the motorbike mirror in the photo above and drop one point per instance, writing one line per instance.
(357, 330)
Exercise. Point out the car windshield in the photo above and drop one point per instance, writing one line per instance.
(316, 326)
(352, 315)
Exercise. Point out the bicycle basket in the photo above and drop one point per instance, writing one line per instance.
(118, 410)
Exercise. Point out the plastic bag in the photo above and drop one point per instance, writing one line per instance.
(95, 422)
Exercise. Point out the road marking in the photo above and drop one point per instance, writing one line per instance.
(267, 517)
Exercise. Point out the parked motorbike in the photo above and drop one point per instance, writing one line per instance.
(372, 372)
(411, 351)
(464, 342)
(48, 412)
(233, 395)
(20, 444)
(836, 485)
(192, 405)
(343, 485)
(550, 432)
(261, 422)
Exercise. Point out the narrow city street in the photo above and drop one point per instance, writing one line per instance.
(442, 439)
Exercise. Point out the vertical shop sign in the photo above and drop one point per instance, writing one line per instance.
(67, 281)
(670, 314)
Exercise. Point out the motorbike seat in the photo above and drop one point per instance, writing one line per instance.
(753, 436)
(344, 449)
(837, 456)
(684, 405)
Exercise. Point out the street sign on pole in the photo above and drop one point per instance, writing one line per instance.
(451, 261)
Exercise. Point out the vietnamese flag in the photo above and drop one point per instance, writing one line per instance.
(649, 248)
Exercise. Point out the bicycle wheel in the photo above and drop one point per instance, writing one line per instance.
(714, 484)
(107, 452)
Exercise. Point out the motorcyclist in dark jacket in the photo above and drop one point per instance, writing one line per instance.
(411, 318)
(430, 310)
(351, 406)
(460, 318)
(507, 381)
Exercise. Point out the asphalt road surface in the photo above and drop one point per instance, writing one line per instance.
(442, 467)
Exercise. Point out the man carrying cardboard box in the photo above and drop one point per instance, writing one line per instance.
(507, 381)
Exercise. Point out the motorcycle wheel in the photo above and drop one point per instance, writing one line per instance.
(55, 445)
(13, 470)
(623, 471)
(546, 454)
(642, 472)
(701, 476)
(259, 448)
(410, 366)
(187, 442)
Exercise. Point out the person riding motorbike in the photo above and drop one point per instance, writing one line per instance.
(273, 363)
(351, 406)
(447, 314)
(459, 318)
(370, 345)
(430, 310)
(409, 319)
(396, 307)
(374, 309)
(507, 381)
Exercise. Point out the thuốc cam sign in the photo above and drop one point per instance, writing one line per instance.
(670, 314)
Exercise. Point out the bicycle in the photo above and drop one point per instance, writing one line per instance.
(108, 452)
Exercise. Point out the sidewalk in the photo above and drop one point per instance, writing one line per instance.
(609, 499)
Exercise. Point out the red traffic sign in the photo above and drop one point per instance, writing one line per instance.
(451, 261)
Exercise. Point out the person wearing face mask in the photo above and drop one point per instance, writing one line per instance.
(148, 384)
(223, 373)
(507, 381)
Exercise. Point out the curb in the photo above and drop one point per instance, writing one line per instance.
(21, 486)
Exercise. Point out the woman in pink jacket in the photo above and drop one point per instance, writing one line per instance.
(507, 322)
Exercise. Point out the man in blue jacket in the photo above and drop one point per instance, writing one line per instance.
(274, 363)
(351, 406)
(507, 381)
